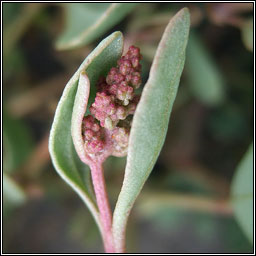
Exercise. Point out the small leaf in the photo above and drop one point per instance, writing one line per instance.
(13, 195)
(150, 122)
(62, 151)
(242, 193)
(204, 77)
(88, 21)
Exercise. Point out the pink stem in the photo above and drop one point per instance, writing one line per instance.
(103, 205)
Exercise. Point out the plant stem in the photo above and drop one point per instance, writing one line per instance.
(103, 205)
(17, 27)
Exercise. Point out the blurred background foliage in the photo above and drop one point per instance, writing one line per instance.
(186, 205)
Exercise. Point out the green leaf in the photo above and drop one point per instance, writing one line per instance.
(150, 122)
(242, 193)
(88, 21)
(247, 34)
(17, 142)
(204, 78)
(62, 151)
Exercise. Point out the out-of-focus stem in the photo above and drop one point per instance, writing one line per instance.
(103, 205)
(149, 202)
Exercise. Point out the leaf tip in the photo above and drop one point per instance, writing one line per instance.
(184, 14)
(119, 34)
(184, 11)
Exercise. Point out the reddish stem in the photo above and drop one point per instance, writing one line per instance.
(103, 205)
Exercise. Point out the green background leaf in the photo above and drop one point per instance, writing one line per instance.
(150, 122)
(205, 80)
(242, 193)
(247, 34)
(17, 142)
(63, 154)
(88, 21)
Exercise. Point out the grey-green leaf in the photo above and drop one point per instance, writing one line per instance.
(204, 78)
(242, 193)
(88, 21)
(150, 122)
(62, 151)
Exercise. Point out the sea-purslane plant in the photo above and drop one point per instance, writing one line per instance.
(100, 114)
(106, 130)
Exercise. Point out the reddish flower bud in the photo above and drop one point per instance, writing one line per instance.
(136, 81)
(120, 138)
(125, 67)
(88, 134)
(95, 146)
(113, 89)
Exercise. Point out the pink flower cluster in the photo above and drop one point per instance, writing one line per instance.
(114, 101)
